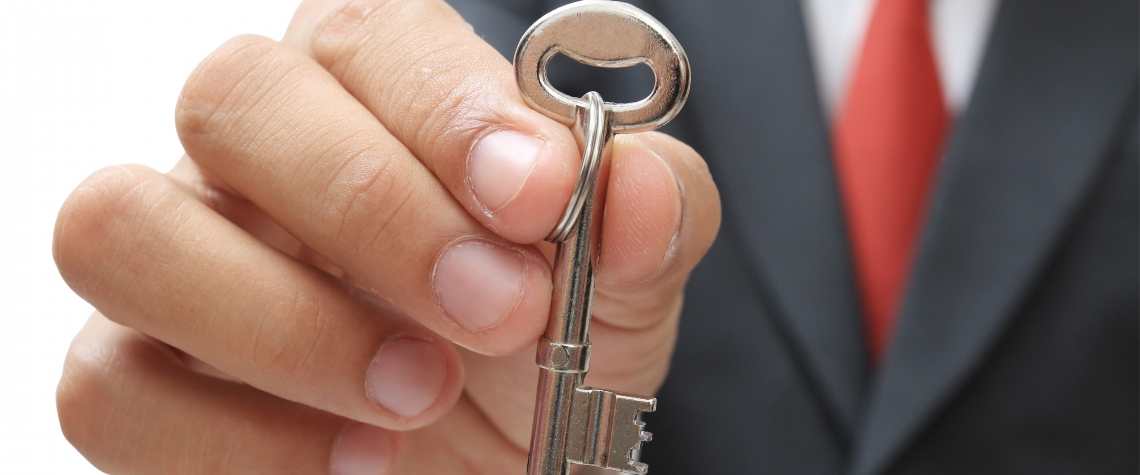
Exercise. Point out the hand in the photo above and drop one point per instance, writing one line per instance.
(345, 274)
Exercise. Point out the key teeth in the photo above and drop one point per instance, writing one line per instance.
(643, 437)
(640, 406)
(605, 429)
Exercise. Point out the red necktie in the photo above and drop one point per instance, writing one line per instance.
(888, 137)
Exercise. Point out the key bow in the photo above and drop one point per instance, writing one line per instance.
(605, 34)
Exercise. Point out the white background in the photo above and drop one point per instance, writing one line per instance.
(83, 84)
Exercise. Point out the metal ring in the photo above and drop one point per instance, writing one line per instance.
(605, 34)
(594, 127)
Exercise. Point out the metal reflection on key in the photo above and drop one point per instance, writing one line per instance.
(574, 423)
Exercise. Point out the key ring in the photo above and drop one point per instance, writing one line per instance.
(596, 132)
(605, 34)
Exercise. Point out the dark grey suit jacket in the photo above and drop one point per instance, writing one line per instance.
(1017, 346)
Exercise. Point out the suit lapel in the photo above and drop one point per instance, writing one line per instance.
(1056, 78)
(755, 107)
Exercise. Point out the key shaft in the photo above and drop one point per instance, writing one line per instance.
(568, 328)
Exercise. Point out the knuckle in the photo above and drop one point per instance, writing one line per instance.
(449, 92)
(334, 38)
(288, 338)
(442, 83)
(88, 396)
(217, 87)
(91, 223)
(374, 198)
(78, 399)
(451, 111)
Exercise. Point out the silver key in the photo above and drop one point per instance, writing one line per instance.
(574, 423)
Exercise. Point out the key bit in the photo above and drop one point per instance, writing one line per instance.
(605, 430)
(574, 423)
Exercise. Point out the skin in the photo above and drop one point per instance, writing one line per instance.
(243, 296)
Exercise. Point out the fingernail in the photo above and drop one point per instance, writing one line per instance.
(407, 376)
(499, 165)
(477, 283)
(361, 449)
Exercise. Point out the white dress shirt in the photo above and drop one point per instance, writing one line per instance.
(959, 30)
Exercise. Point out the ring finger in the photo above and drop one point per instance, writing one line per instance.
(150, 256)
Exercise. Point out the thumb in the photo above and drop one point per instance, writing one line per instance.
(662, 214)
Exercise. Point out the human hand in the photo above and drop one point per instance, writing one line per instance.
(343, 273)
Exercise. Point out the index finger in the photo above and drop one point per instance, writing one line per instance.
(452, 100)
